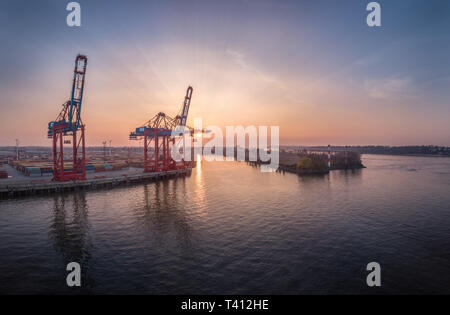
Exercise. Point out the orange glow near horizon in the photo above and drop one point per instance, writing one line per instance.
(230, 89)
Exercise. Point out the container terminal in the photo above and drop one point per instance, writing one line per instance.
(68, 166)
(32, 173)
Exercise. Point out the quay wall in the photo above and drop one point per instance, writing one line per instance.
(29, 189)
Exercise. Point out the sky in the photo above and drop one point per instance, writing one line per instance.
(313, 68)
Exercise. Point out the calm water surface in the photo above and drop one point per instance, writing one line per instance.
(230, 229)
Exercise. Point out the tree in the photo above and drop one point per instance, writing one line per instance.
(305, 163)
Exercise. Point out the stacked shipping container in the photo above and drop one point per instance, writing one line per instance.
(3, 172)
(44, 168)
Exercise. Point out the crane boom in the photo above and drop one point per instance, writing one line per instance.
(70, 115)
(163, 121)
(186, 104)
(79, 74)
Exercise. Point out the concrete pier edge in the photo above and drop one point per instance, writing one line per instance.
(29, 189)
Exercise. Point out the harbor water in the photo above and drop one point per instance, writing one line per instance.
(230, 229)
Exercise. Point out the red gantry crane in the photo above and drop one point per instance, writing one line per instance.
(69, 123)
(157, 131)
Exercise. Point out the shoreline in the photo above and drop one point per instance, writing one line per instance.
(282, 168)
(14, 190)
(412, 155)
(293, 170)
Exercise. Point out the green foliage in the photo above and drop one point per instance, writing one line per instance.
(305, 163)
(343, 160)
(312, 162)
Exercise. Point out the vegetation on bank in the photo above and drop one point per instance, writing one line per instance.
(312, 163)
(423, 150)
(346, 160)
(305, 162)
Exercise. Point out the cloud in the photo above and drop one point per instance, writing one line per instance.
(388, 87)
(240, 59)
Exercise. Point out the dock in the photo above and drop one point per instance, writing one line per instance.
(43, 187)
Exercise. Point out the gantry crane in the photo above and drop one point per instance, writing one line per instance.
(158, 131)
(68, 123)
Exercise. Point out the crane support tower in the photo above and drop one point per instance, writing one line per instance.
(69, 124)
(156, 134)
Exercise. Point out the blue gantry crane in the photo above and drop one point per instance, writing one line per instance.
(158, 130)
(69, 123)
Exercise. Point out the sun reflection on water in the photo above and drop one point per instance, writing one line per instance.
(199, 198)
(199, 168)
